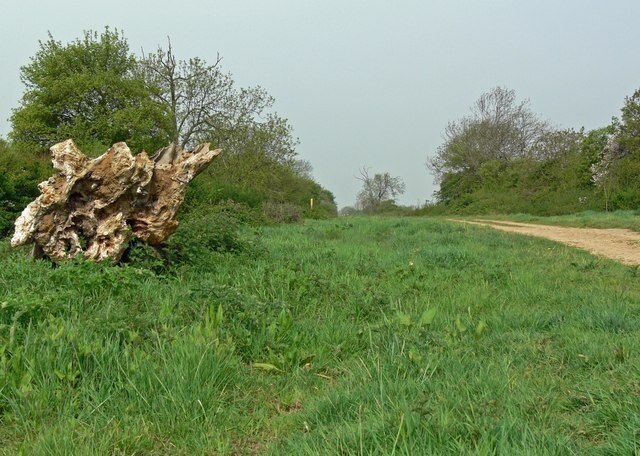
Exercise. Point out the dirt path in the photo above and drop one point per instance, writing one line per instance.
(618, 244)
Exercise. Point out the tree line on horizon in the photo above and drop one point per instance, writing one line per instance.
(503, 158)
(95, 91)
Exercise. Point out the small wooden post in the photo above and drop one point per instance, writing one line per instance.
(311, 203)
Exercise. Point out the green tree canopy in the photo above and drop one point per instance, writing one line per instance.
(87, 90)
(499, 128)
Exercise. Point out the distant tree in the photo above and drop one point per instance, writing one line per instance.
(347, 211)
(378, 190)
(86, 90)
(202, 103)
(626, 171)
(514, 130)
(591, 148)
(602, 169)
(499, 128)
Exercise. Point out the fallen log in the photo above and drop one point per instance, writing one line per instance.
(93, 207)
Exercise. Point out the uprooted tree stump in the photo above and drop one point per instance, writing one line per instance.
(93, 207)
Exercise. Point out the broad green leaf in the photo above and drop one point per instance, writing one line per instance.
(480, 329)
(427, 317)
(459, 325)
(404, 319)
(265, 367)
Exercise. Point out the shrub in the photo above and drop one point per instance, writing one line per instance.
(241, 212)
(203, 233)
(281, 212)
(19, 177)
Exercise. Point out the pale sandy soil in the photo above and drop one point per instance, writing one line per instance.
(618, 244)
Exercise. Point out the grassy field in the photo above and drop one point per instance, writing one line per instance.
(586, 219)
(361, 336)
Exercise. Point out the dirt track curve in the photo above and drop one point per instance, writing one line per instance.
(618, 244)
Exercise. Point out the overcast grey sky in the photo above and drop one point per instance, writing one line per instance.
(369, 82)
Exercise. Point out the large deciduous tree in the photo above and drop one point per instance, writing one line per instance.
(199, 99)
(202, 103)
(87, 90)
(500, 128)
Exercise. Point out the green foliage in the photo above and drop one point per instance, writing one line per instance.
(623, 170)
(202, 233)
(273, 192)
(86, 90)
(558, 183)
(19, 178)
(630, 126)
(591, 149)
(558, 172)
(7, 199)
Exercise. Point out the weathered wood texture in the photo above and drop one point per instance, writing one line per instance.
(93, 207)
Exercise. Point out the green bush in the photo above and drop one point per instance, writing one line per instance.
(204, 233)
(144, 256)
(20, 173)
(241, 212)
(207, 191)
(626, 199)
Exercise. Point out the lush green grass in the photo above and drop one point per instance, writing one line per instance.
(372, 336)
(590, 219)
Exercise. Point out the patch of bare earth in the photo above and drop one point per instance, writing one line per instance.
(615, 243)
